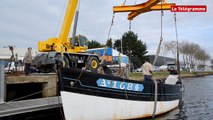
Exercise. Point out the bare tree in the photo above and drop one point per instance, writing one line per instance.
(193, 54)
(201, 57)
(164, 51)
(193, 49)
(183, 49)
(171, 46)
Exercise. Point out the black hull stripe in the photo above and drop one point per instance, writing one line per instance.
(115, 90)
(87, 84)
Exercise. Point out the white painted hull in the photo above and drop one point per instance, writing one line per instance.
(86, 107)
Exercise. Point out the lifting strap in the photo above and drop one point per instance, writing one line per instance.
(156, 56)
(155, 97)
(161, 37)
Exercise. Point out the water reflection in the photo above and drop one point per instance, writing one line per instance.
(198, 101)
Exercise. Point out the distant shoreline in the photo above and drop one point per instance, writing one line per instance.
(163, 75)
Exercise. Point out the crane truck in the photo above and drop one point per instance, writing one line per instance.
(74, 49)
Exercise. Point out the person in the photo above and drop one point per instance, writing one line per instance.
(27, 61)
(173, 77)
(172, 71)
(147, 70)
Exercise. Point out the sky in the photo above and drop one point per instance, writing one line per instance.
(25, 22)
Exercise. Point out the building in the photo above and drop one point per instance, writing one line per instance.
(161, 60)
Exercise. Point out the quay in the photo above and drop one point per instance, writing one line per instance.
(48, 83)
(23, 94)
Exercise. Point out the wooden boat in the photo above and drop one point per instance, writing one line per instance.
(93, 96)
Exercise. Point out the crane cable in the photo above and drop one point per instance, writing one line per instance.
(161, 36)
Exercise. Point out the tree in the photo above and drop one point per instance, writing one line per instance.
(193, 54)
(164, 51)
(171, 46)
(133, 47)
(109, 42)
(201, 57)
(117, 45)
(94, 44)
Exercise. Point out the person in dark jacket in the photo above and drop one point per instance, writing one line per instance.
(172, 71)
(27, 61)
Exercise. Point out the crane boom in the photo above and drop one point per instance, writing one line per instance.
(57, 44)
(71, 8)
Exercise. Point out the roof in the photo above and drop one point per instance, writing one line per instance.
(160, 60)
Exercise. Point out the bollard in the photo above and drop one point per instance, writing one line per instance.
(2, 81)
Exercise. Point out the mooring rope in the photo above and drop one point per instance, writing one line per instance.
(30, 94)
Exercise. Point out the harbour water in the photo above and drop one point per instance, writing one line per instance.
(198, 101)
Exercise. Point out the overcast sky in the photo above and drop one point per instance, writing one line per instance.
(25, 22)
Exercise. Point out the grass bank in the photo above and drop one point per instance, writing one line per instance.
(163, 75)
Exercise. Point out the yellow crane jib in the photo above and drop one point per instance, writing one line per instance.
(135, 10)
(55, 44)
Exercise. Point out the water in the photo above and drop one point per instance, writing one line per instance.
(198, 101)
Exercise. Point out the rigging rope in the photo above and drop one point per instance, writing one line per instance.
(108, 37)
(29, 95)
(176, 32)
(161, 36)
(102, 60)
(124, 2)
(130, 25)
(178, 63)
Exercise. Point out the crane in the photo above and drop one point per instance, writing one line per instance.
(74, 48)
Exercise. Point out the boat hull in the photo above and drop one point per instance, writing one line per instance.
(93, 96)
(86, 107)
